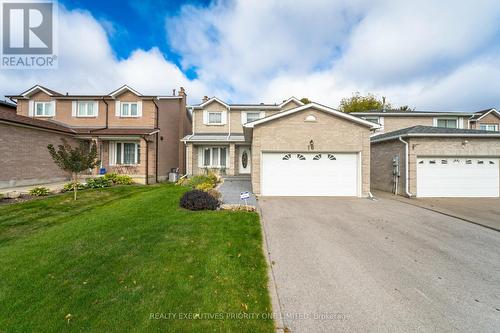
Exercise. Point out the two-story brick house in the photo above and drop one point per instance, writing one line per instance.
(285, 149)
(136, 134)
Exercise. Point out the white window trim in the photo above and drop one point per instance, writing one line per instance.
(112, 153)
(495, 127)
(76, 111)
(206, 118)
(436, 119)
(201, 159)
(244, 118)
(139, 111)
(44, 103)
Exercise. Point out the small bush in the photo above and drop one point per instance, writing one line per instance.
(199, 200)
(99, 182)
(69, 187)
(214, 193)
(205, 186)
(197, 180)
(39, 191)
(119, 179)
(183, 182)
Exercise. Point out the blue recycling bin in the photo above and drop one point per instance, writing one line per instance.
(102, 171)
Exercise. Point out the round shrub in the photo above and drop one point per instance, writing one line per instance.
(119, 179)
(198, 200)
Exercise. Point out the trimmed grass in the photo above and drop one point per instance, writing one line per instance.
(120, 257)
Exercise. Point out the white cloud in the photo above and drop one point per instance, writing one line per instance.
(88, 65)
(429, 54)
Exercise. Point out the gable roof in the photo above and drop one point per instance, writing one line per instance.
(211, 100)
(480, 114)
(431, 131)
(121, 89)
(316, 106)
(291, 99)
(38, 87)
(14, 118)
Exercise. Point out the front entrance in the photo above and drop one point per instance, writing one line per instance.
(245, 159)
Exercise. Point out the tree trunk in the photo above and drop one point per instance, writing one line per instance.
(75, 185)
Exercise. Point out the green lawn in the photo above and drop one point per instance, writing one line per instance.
(119, 255)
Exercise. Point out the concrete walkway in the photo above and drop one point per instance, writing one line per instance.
(231, 189)
(356, 265)
(53, 187)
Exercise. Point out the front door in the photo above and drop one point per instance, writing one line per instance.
(245, 160)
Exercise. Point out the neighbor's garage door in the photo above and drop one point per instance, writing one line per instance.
(457, 177)
(309, 174)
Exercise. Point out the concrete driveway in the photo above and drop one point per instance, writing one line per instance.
(361, 265)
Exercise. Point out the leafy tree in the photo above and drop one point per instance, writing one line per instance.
(305, 100)
(360, 103)
(74, 160)
(406, 108)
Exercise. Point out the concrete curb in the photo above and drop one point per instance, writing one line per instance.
(442, 212)
(273, 288)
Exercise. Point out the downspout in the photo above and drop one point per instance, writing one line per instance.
(156, 137)
(106, 112)
(147, 159)
(407, 162)
(229, 122)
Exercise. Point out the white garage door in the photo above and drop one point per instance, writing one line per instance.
(309, 174)
(457, 177)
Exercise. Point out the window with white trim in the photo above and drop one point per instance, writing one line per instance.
(447, 122)
(85, 109)
(214, 157)
(127, 153)
(250, 116)
(372, 119)
(44, 109)
(214, 118)
(488, 127)
(129, 109)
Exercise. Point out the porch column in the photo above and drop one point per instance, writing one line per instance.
(98, 144)
(189, 159)
(232, 160)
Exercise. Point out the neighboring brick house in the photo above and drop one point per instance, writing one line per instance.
(6, 106)
(135, 134)
(288, 149)
(393, 120)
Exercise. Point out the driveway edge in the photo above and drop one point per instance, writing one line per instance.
(442, 212)
(273, 288)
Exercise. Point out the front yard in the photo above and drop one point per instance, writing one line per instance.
(128, 259)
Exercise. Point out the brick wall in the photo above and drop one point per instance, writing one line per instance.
(25, 158)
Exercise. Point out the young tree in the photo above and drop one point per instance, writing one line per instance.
(360, 103)
(74, 160)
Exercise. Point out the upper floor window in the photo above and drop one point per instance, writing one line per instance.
(375, 120)
(129, 109)
(250, 116)
(488, 127)
(44, 109)
(447, 122)
(214, 117)
(86, 109)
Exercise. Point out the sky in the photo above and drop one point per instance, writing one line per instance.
(430, 55)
